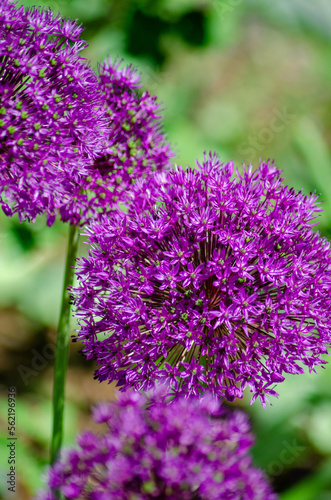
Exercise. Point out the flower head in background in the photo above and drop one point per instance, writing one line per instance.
(220, 284)
(52, 116)
(169, 451)
(136, 145)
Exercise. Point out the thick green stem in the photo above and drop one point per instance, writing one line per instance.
(62, 346)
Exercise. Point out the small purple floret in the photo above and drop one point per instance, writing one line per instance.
(136, 145)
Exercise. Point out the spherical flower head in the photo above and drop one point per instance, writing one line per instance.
(52, 117)
(136, 145)
(220, 284)
(158, 450)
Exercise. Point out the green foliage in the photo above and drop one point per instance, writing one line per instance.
(33, 417)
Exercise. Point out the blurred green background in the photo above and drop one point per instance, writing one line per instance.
(249, 79)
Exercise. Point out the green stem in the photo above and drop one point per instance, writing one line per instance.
(62, 346)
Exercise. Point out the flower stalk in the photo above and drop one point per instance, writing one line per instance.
(62, 346)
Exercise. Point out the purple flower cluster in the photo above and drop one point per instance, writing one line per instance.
(70, 143)
(220, 284)
(136, 144)
(169, 451)
(52, 118)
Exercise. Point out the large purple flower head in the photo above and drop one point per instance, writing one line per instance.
(52, 116)
(169, 451)
(218, 285)
(136, 145)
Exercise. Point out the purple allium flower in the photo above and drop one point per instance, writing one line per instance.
(136, 147)
(174, 451)
(220, 284)
(52, 116)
